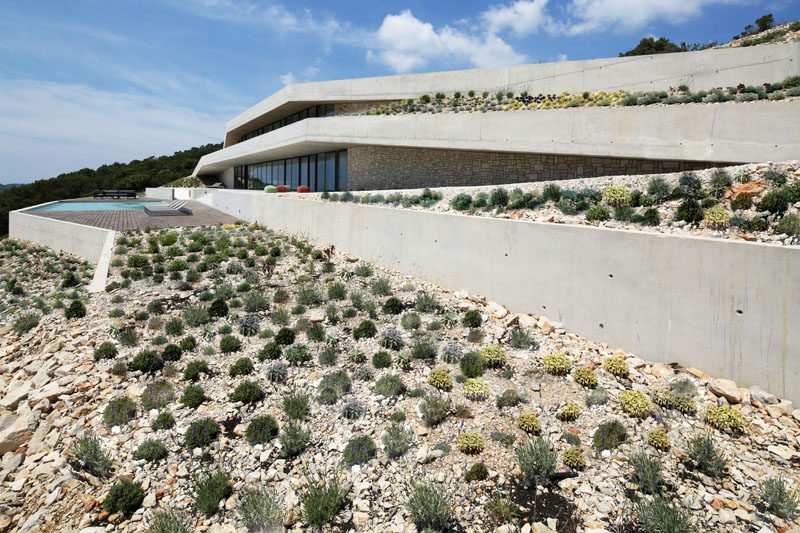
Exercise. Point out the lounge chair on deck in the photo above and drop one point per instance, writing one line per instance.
(114, 194)
(177, 207)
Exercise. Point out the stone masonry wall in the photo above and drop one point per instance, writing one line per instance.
(353, 108)
(382, 167)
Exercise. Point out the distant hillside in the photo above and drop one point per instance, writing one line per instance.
(3, 187)
(150, 172)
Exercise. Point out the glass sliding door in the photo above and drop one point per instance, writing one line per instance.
(341, 170)
(330, 171)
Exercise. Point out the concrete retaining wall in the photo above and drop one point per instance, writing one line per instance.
(727, 307)
(93, 244)
(83, 241)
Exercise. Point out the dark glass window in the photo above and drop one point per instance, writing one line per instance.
(304, 171)
(330, 171)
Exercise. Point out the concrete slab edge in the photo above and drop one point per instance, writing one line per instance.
(98, 283)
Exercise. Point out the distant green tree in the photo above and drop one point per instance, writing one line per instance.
(137, 175)
(649, 45)
(765, 23)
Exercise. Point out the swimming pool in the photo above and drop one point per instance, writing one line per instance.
(98, 205)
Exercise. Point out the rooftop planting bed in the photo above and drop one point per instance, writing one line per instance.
(471, 101)
(757, 202)
(234, 377)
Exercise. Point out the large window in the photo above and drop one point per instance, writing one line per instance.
(326, 171)
(322, 110)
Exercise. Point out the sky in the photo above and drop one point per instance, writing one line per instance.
(89, 82)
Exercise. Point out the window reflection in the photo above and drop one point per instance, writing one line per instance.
(323, 110)
(325, 171)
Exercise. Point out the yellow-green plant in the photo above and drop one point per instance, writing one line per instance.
(441, 379)
(617, 195)
(493, 356)
(635, 404)
(570, 411)
(529, 423)
(658, 440)
(717, 217)
(617, 366)
(476, 389)
(663, 398)
(725, 417)
(557, 364)
(470, 442)
(573, 458)
(585, 376)
(684, 404)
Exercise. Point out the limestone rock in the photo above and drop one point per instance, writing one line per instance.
(16, 434)
(726, 388)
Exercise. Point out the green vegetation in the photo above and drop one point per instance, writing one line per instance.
(137, 175)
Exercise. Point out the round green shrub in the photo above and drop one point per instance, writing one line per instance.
(658, 440)
(124, 497)
(201, 433)
(171, 352)
(472, 319)
(529, 423)
(476, 389)
(76, 309)
(472, 365)
(247, 392)
(242, 367)
(743, 201)
(597, 213)
(775, 201)
(392, 306)
(381, 360)
(297, 354)
(689, 211)
(570, 411)
(193, 396)
(147, 361)
(789, 224)
(229, 344)
(359, 450)
(164, 420)
(477, 472)
(107, 350)
(119, 411)
(617, 195)
(271, 351)
(157, 394)
(716, 218)
(609, 435)
(285, 336)
(262, 429)
(152, 450)
(365, 330)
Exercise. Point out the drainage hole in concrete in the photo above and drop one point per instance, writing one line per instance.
(739, 312)
(611, 276)
(601, 325)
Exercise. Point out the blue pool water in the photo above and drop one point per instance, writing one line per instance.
(99, 205)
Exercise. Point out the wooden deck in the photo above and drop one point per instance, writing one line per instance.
(137, 219)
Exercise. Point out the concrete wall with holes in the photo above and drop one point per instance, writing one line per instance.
(727, 307)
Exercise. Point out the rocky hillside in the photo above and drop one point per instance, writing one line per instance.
(235, 379)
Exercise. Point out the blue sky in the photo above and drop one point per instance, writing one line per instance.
(87, 82)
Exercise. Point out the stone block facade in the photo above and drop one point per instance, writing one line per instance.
(354, 108)
(382, 167)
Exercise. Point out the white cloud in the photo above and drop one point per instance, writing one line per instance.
(49, 128)
(630, 15)
(405, 43)
(288, 78)
(310, 71)
(523, 17)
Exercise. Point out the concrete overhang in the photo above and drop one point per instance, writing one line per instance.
(704, 69)
(725, 132)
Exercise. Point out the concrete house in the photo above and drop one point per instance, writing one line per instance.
(318, 134)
